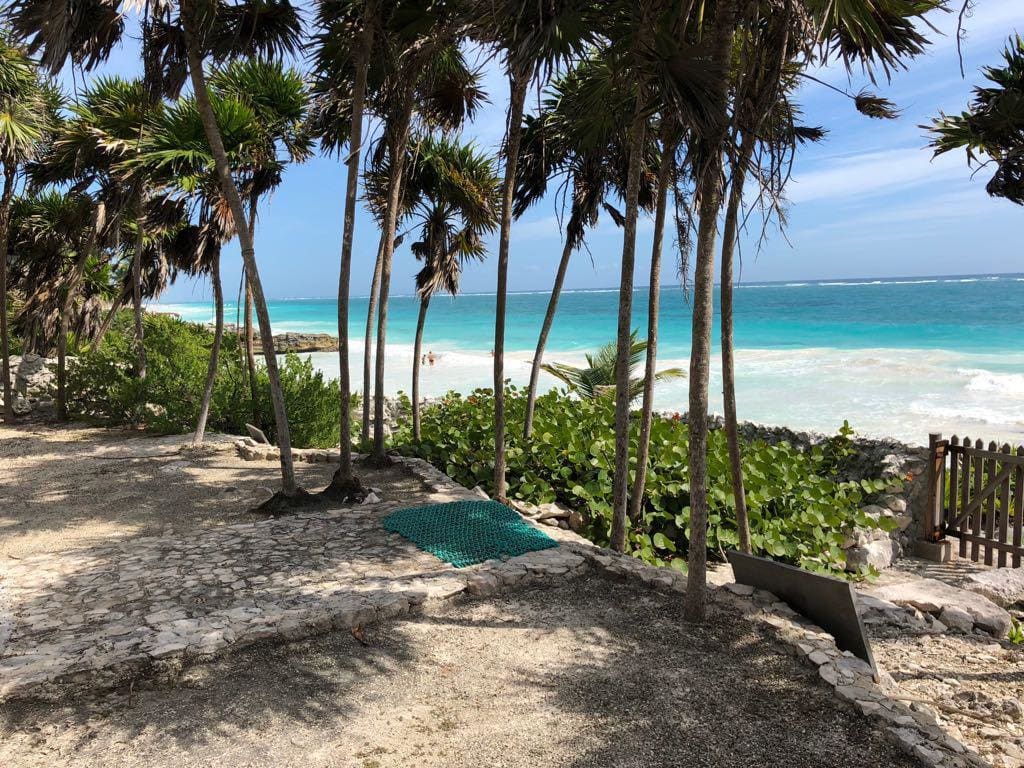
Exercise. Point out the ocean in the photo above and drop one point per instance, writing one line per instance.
(897, 357)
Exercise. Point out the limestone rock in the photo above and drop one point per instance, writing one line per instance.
(1003, 586)
(553, 510)
(932, 596)
(257, 434)
(957, 619)
(880, 553)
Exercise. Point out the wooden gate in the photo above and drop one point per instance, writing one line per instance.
(977, 495)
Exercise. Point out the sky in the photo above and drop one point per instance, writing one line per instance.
(869, 201)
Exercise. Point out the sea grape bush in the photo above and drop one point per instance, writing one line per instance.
(102, 386)
(800, 512)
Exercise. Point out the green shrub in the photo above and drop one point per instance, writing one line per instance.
(799, 512)
(102, 385)
(314, 409)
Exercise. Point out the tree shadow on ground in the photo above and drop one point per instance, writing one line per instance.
(279, 686)
(82, 487)
(658, 691)
(593, 673)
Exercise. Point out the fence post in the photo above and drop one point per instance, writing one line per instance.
(932, 543)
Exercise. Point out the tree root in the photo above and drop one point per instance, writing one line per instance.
(281, 503)
(349, 491)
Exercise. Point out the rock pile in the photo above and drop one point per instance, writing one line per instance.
(251, 450)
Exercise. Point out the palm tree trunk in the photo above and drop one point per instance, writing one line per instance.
(344, 484)
(218, 335)
(209, 120)
(542, 340)
(5, 346)
(249, 342)
(728, 367)
(398, 149)
(140, 347)
(654, 297)
(371, 315)
(710, 192)
(248, 337)
(417, 353)
(108, 320)
(620, 480)
(517, 99)
(84, 251)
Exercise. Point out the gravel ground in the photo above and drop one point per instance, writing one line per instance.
(67, 486)
(593, 673)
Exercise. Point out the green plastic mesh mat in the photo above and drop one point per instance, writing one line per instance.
(468, 532)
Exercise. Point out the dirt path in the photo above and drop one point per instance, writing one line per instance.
(71, 486)
(592, 673)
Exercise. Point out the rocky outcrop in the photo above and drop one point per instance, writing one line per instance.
(293, 342)
(305, 342)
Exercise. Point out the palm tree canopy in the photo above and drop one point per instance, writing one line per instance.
(454, 194)
(993, 125)
(28, 106)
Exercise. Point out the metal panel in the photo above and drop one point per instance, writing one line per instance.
(828, 602)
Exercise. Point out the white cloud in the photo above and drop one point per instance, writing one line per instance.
(872, 173)
(946, 209)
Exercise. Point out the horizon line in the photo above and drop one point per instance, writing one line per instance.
(790, 282)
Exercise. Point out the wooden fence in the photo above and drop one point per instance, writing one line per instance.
(977, 495)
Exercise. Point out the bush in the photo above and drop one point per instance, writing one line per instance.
(799, 511)
(314, 409)
(102, 385)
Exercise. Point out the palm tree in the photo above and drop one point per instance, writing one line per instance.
(598, 379)
(433, 77)
(666, 175)
(592, 162)
(992, 125)
(345, 18)
(26, 113)
(175, 44)
(873, 34)
(533, 39)
(260, 107)
(453, 189)
(56, 238)
(97, 145)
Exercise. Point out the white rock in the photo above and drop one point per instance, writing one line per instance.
(1003, 586)
(371, 498)
(880, 553)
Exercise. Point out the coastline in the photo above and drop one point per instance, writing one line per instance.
(884, 354)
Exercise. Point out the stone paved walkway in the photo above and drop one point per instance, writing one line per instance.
(100, 615)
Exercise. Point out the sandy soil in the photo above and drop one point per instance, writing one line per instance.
(593, 673)
(66, 486)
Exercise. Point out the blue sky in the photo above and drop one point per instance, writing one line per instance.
(869, 201)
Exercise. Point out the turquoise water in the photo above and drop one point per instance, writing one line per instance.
(898, 356)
